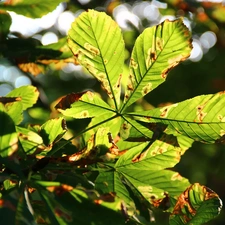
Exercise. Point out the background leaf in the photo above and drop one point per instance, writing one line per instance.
(156, 51)
(31, 8)
(32, 57)
(8, 135)
(14, 208)
(196, 205)
(27, 96)
(101, 53)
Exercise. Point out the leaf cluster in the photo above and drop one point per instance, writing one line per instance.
(121, 165)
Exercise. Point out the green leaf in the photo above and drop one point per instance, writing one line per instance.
(31, 8)
(28, 94)
(53, 130)
(131, 129)
(97, 44)
(196, 205)
(29, 140)
(156, 51)
(83, 105)
(201, 118)
(110, 181)
(8, 136)
(144, 167)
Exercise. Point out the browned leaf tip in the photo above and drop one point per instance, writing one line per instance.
(6, 100)
(66, 101)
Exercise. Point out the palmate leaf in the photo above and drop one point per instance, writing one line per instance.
(196, 205)
(156, 51)
(201, 118)
(31, 8)
(97, 44)
(143, 168)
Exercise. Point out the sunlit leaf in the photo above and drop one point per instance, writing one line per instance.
(8, 135)
(28, 94)
(144, 167)
(29, 140)
(83, 105)
(201, 118)
(6, 100)
(53, 130)
(131, 129)
(31, 8)
(97, 44)
(157, 50)
(196, 205)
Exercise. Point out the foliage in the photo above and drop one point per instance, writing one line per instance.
(122, 162)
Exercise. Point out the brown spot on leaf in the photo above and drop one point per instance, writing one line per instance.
(130, 87)
(133, 63)
(176, 176)
(153, 56)
(200, 113)
(62, 213)
(92, 49)
(162, 203)
(126, 96)
(139, 157)
(159, 44)
(84, 114)
(146, 89)
(165, 72)
(184, 206)
(164, 112)
(125, 126)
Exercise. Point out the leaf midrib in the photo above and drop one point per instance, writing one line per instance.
(96, 40)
